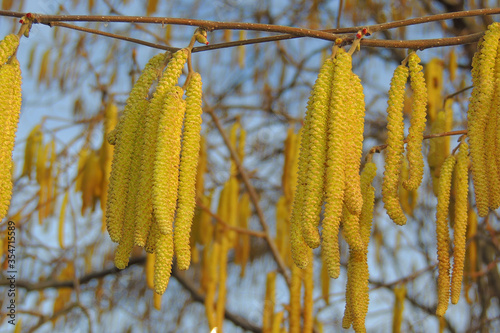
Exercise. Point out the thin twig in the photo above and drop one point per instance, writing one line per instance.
(378, 149)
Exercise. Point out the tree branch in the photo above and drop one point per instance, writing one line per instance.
(188, 285)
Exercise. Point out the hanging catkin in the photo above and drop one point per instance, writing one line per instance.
(145, 198)
(187, 172)
(442, 233)
(483, 79)
(417, 125)
(461, 217)
(395, 145)
(127, 127)
(335, 166)
(10, 108)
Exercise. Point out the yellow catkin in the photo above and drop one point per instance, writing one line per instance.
(417, 125)
(187, 172)
(297, 243)
(277, 319)
(62, 217)
(32, 142)
(470, 255)
(8, 46)
(357, 297)
(395, 145)
(308, 276)
(483, 79)
(316, 151)
(434, 77)
(295, 305)
(461, 217)
(492, 143)
(106, 154)
(10, 108)
(350, 229)
(145, 201)
(150, 266)
(442, 234)
(399, 305)
(130, 225)
(354, 141)
(164, 255)
(269, 301)
(335, 172)
(166, 163)
(126, 131)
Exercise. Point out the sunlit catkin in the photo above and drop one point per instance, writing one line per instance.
(442, 234)
(187, 172)
(7, 47)
(164, 255)
(314, 178)
(461, 217)
(298, 246)
(10, 108)
(483, 79)
(417, 126)
(335, 165)
(354, 141)
(145, 196)
(395, 145)
(127, 127)
(166, 163)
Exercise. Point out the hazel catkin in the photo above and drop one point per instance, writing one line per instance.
(442, 234)
(335, 166)
(166, 163)
(187, 172)
(126, 130)
(7, 47)
(395, 145)
(10, 108)
(461, 217)
(483, 79)
(417, 124)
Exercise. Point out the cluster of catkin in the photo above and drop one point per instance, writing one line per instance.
(328, 172)
(395, 136)
(10, 108)
(153, 173)
(483, 121)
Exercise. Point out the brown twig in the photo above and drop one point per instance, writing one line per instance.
(378, 149)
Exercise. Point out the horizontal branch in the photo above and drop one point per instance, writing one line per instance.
(287, 32)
